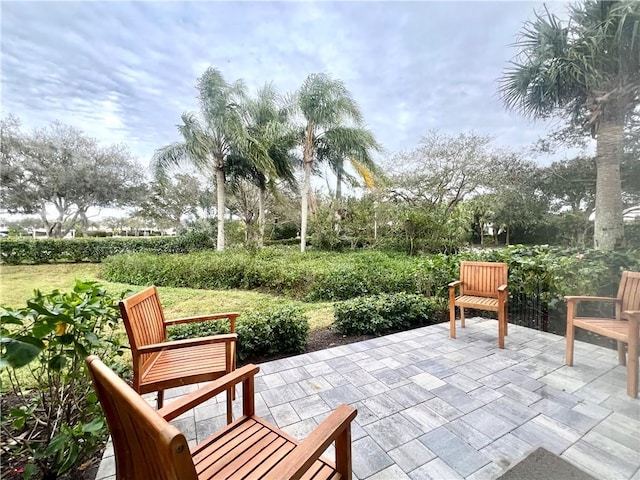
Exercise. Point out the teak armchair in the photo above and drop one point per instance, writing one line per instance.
(148, 447)
(483, 286)
(159, 364)
(623, 327)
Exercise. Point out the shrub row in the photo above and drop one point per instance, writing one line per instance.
(551, 272)
(279, 330)
(37, 251)
(379, 314)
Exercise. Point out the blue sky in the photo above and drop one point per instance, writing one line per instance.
(124, 72)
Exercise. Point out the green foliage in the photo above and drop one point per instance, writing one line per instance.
(17, 251)
(56, 421)
(379, 314)
(277, 330)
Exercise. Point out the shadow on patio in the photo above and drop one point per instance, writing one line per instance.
(433, 407)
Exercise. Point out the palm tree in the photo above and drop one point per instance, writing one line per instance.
(589, 71)
(332, 130)
(208, 139)
(268, 157)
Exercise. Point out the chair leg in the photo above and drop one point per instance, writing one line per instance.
(568, 359)
(505, 315)
(462, 325)
(632, 360)
(160, 400)
(501, 328)
(622, 353)
(452, 320)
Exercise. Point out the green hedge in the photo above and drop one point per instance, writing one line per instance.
(279, 330)
(379, 314)
(37, 251)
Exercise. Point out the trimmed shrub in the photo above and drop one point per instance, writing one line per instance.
(379, 314)
(278, 330)
(38, 251)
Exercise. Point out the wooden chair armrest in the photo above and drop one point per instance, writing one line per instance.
(203, 318)
(193, 399)
(310, 449)
(502, 288)
(455, 284)
(188, 342)
(577, 298)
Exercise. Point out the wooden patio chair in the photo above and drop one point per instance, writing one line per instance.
(159, 364)
(483, 286)
(623, 326)
(148, 447)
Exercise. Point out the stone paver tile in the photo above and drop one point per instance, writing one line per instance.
(393, 431)
(371, 365)
(558, 396)
(440, 368)
(567, 416)
(358, 377)
(310, 406)
(300, 430)
(436, 469)
(510, 411)
(208, 410)
(472, 371)
(487, 423)
(563, 382)
(335, 379)
(187, 426)
(466, 432)
(342, 364)
(343, 394)
(614, 448)
(411, 455)
(208, 427)
(365, 415)
(283, 394)
(547, 432)
(107, 468)
(457, 398)
(409, 395)
(522, 380)
(368, 458)
(295, 375)
(373, 388)
(382, 405)
(443, 409)
(273, 380)
(315, 385)
(602, 463)
(490, 471)
(284, 415)
(423, 417)
(621, 429)
(393, 472)
(453, 451)
(592, 410)
(462, 382)
(623, 404)
(485, 394)
(391, 377)
(427, 381)
(317, 369)
(507, 450)
(519, 394)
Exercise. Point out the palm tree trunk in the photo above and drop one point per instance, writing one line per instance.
(307, 158)
(608, 228)
(220, 204)
(339, 184)
(261, 217)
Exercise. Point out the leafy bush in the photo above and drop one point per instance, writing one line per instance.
(17, 251)
(278, 330)
(55, 422)
(378, 314)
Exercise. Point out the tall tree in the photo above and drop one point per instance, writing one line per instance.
(587, 70)
(332, 122)
(208, 139)
(59, 167)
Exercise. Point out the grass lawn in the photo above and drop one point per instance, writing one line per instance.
(17, 283)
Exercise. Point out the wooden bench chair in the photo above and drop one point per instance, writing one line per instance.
(159, 364)
(148, 447)
(483, 286)
(623, 326)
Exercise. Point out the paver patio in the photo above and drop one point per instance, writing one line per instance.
(433, 407)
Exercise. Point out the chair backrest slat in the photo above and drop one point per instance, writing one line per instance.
(629, 291)
(482, 278)
(146, 446)
(144, 321)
